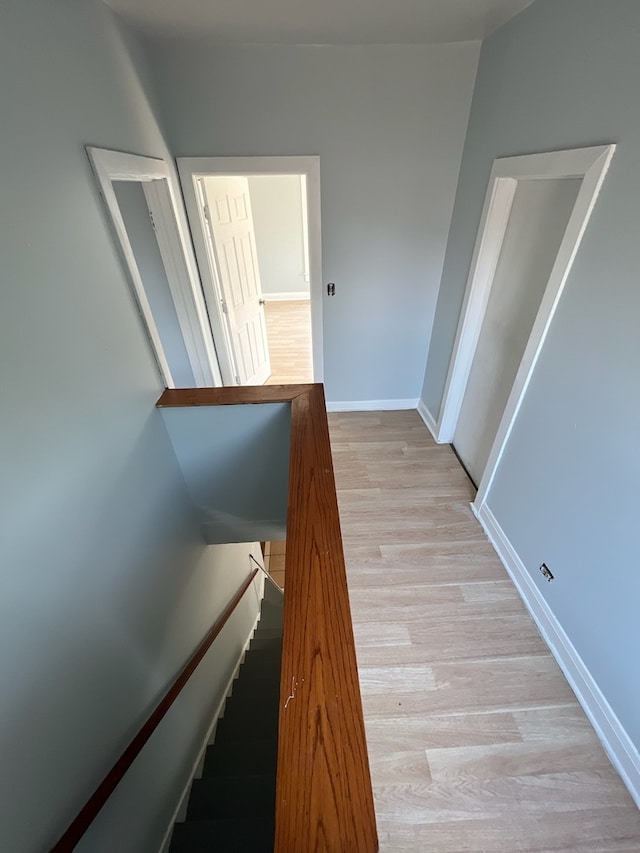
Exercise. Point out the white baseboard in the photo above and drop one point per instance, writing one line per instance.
(294, 296)
(180, 811)
(372, 405)
(617, 743)
(429, 420)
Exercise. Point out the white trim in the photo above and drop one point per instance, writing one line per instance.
(615, 739)
(486, 254)
(293, 296)
(172, 233)
(180, 812)
(590, 164)
(372, 405)
(192, 168)
(429, 420)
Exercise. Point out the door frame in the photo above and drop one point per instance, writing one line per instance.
(159, 185)
(589, 164)
(192, 168)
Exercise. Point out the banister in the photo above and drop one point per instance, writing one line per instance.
(324, 800)
(104, 790)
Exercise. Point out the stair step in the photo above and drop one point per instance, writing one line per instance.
(273, 608)
(235, 758)
(247, 706)
(270, 621)
(249, 720)
(253, 693)
(261, 643)
(266, 648)
(224, 836)
(274, 633)
(271, 594)
(227, 797)
(261, 662)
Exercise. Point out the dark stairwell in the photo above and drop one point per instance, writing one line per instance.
(232, 806)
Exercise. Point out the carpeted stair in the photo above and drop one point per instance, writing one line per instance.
(232, 807)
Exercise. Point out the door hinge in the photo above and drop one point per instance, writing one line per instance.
(153, 224)
(225, 310)
(238, 382)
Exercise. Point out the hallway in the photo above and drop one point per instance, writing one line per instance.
(476, 741)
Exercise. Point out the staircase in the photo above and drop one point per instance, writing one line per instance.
(232, 807)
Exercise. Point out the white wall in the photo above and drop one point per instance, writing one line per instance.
(107, 585)
(239, 485)
(388, 123)
(276, 204)
(564, 74)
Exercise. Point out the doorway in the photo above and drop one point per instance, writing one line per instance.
(539, 216)
(256, 229)
(279, 207)
(535, 213)
(152, 234)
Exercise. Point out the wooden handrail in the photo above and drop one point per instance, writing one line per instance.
(324, 800)
(104, 790)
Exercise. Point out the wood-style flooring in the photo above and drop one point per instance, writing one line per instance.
(274, 558)
(476, 741)
(289, 338)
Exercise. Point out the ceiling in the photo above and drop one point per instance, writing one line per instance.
(321, 21)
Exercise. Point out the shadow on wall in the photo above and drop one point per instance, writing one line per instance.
(235, 461)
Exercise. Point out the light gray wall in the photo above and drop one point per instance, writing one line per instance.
(564, 74)
(388, 124)
(276, 204)
(239, 483)
(135, 213)
(106, 583)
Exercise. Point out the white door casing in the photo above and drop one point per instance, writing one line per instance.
(172, 234)
(538, 220)
(191, 170)
(591, 166)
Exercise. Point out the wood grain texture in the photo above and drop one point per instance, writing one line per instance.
(102, 793)
(324, 800)
(476, 742)
(231, 395)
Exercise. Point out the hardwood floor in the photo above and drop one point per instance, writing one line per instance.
(475, 739)
(274, 556)
(289, 338)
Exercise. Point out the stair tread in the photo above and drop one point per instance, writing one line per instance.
(228, 758)
(239, 773)
(224, 836)
(215, 797)
(272, 595)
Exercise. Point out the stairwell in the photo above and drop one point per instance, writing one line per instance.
(232, 806)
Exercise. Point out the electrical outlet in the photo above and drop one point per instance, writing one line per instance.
(546, 572)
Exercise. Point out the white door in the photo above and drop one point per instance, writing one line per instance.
(227, 211)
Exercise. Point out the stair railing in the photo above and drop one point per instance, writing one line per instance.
(324, 798)
(96, 801)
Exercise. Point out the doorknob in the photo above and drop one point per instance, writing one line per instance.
(261, 301)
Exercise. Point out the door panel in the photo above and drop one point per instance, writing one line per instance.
(228, 213)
